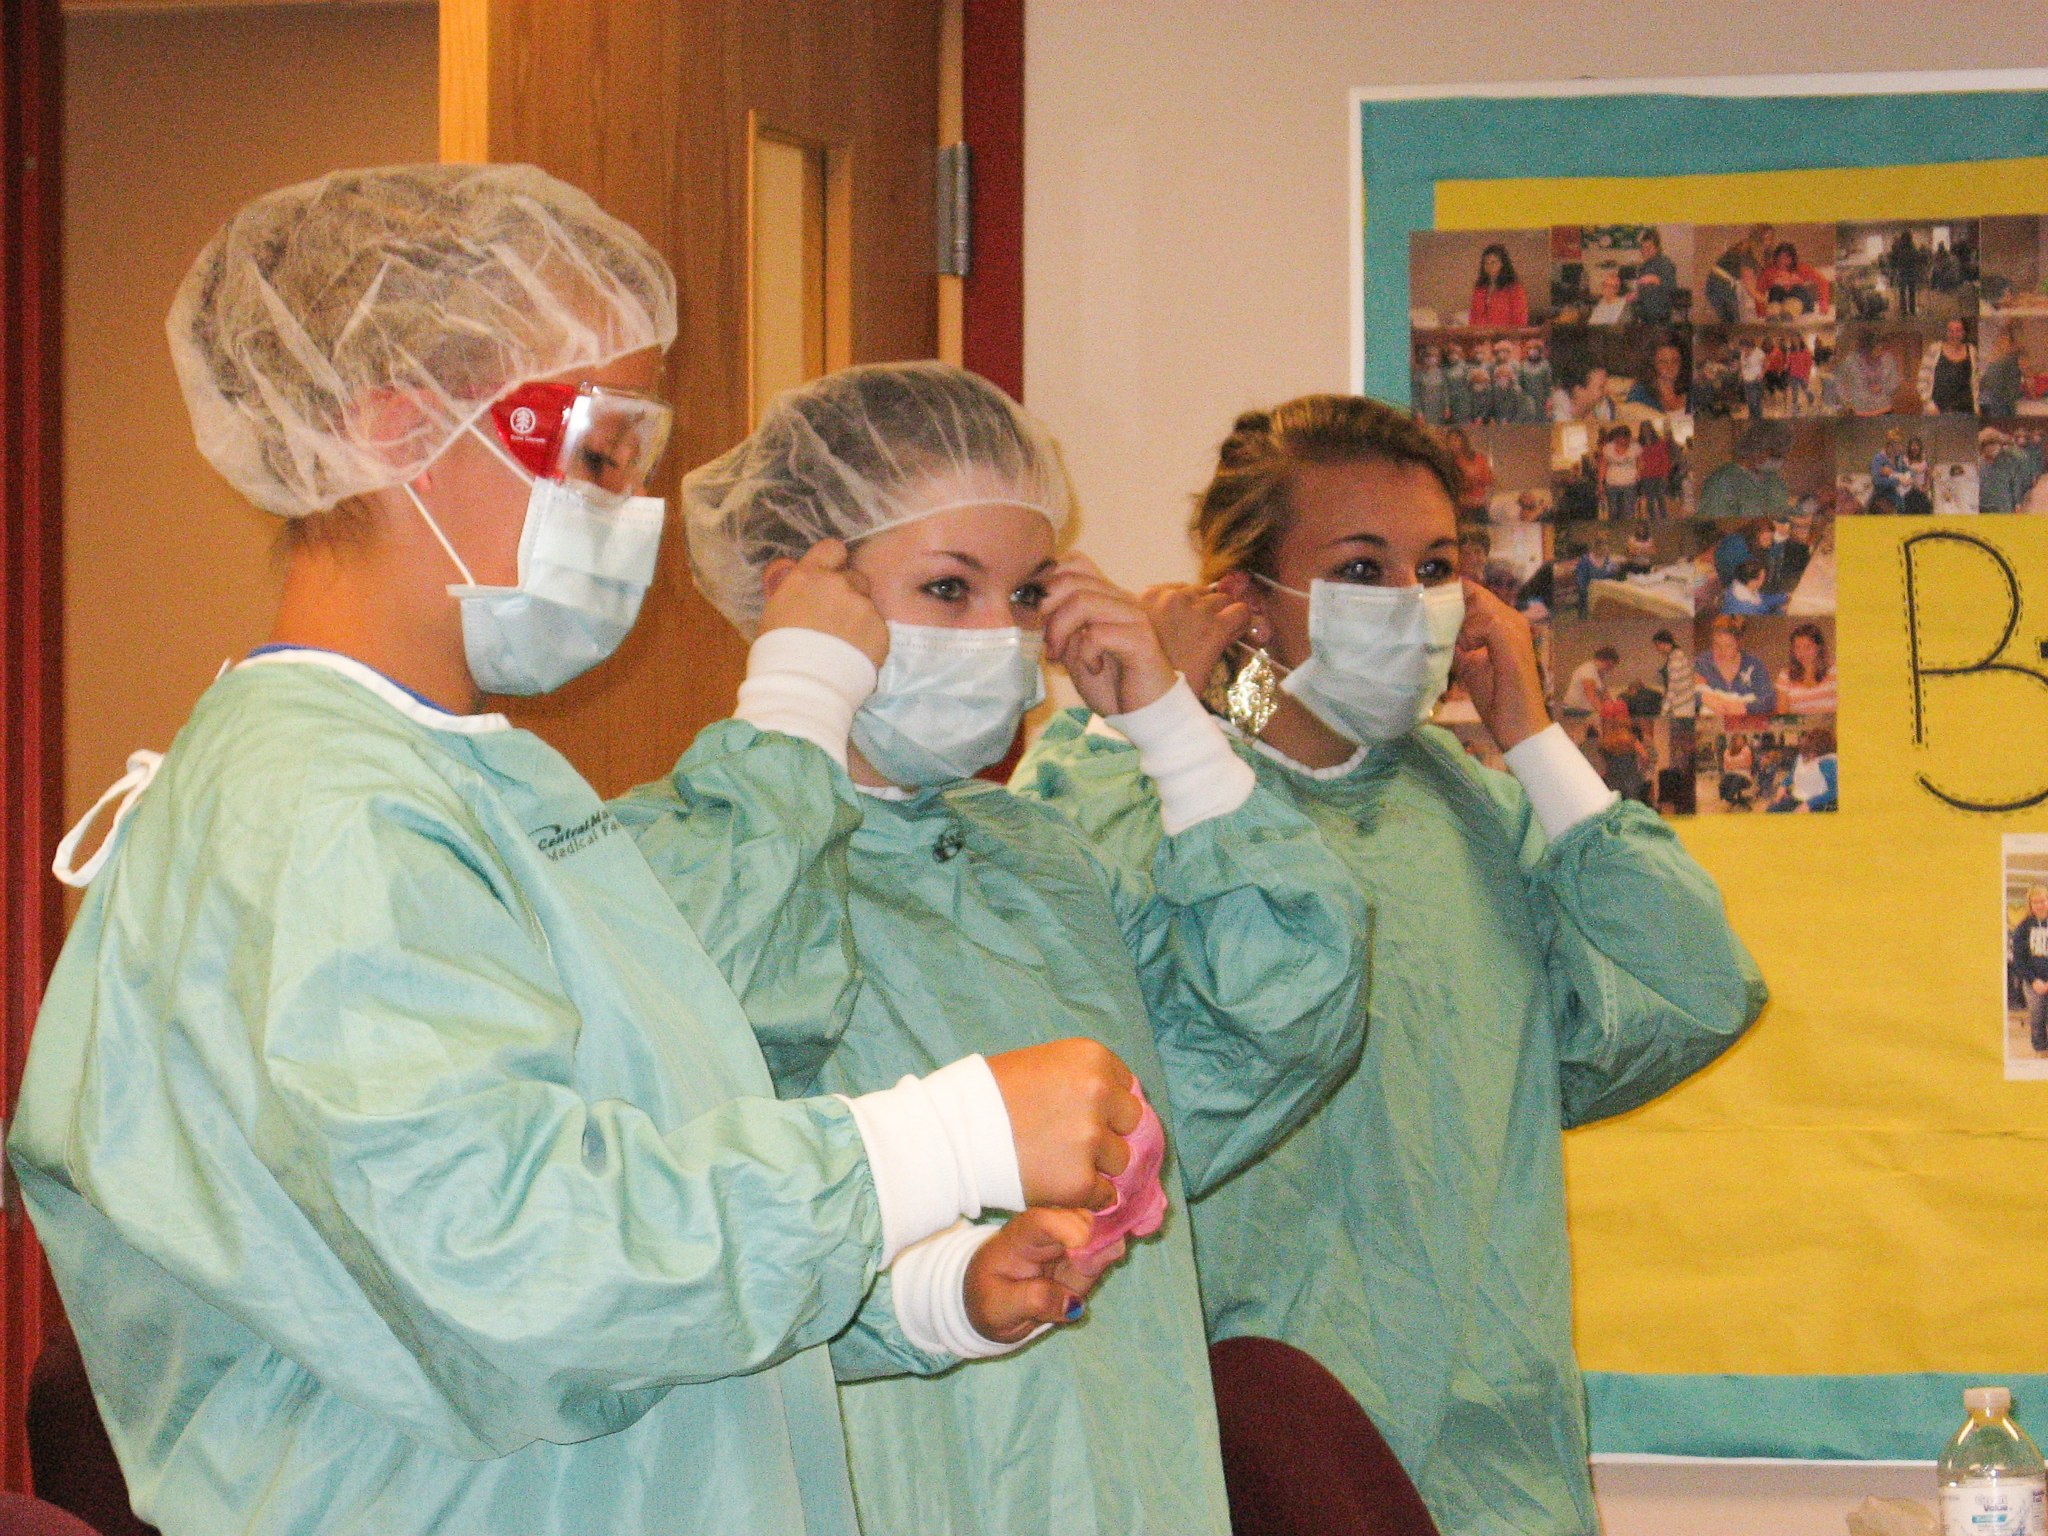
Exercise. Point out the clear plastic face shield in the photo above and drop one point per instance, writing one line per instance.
(603, 443)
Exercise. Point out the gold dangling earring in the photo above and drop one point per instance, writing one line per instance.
(1247, 698)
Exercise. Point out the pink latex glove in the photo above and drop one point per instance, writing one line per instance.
(1140, 1204)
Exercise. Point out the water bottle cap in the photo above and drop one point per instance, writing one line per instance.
(1987, 1399)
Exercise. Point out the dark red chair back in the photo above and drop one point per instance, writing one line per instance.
(68, 1451)
(1300, 1457)
(21, 1515)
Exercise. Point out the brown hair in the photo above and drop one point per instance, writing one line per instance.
(1794, 668)
(1243, 513)
(348, 524)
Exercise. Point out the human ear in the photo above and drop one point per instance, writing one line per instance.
(1241, 587)
(388, 421)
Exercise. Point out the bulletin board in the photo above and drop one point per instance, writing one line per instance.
(1808, 1251)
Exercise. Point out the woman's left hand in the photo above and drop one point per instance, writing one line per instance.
(1496, 661)
(1097, 631)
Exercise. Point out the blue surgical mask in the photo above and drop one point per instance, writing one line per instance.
(583, 570)
(947, 702)
(1379, 657)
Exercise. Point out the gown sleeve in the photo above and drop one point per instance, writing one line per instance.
(748, 834)
(381, 1106)
(1648, 981)
(874, 1344)
(1251, 943)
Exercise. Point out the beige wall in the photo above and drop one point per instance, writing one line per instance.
(171, 123)
(1186, 257)
(1186, 200)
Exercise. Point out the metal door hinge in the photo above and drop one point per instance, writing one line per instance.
(955, 205)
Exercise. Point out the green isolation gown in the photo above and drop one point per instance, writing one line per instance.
(1411, 1235)
(1224, 973)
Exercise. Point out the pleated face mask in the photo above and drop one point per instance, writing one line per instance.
(1379, 657)
(948, 701)
(587, 556)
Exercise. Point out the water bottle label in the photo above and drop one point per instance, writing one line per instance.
(1994, 1508)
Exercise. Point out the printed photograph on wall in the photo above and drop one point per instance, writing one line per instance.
(2012, 283)
(1911, 466)
(1642, 568)
(1757, 766)
(2025, 936)
(1621, 274)
(1479, 278)
(1895, 270)
(1750, 372)
(2013, 352)
(1620, 471)
(1504, 472)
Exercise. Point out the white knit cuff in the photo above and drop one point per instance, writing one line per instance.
(1563, 788)
(808, 684)
(930, 1285)
(1187, 757)
(940, 1147)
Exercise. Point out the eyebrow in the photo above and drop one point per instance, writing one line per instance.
(1376, 541)
(975, 565)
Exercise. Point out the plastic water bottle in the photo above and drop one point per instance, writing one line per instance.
(1991, 1475)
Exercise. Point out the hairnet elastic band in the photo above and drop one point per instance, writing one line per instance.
(1040, 508)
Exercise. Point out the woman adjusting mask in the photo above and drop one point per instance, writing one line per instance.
(948, 534)
(1379, 657)
(887, 538)
(1543, 954)
(1341, 628)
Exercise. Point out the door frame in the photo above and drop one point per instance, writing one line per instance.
(31, 631)
(992, 126)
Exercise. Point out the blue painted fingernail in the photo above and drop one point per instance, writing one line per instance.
(1075, 1307)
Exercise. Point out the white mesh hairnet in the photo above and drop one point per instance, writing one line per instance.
(336, 336)
(854, 453)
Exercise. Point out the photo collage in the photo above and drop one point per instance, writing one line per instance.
(1657, 427)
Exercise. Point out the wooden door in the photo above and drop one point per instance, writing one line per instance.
(655, 107)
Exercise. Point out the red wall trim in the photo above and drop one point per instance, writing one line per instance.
(31, 629)
(992, 115)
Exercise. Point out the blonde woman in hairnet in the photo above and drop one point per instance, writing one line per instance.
(404, 1162)
(888, 535)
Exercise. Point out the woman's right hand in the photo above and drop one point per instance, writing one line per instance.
(824, 592)
(1196, 626)
(1071, 1106)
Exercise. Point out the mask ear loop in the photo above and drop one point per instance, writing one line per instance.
(489, 441)
(442, 538)
(1276, 586)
